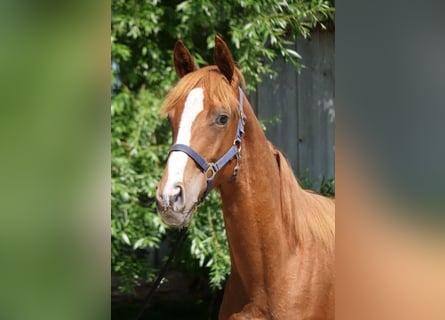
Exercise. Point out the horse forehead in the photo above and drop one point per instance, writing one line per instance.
(194, 104)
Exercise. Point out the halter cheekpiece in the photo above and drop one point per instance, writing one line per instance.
(210, 169)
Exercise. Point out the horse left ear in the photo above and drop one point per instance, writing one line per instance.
(183, 60)
(223, 58)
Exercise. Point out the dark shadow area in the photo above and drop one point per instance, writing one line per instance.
(180, 297)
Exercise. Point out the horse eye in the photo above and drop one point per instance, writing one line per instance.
(222, 119)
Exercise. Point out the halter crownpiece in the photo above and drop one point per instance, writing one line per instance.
(210, 169)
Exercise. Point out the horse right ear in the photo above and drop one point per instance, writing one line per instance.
(223, 58)
(183, 60)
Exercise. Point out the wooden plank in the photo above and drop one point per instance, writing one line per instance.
(316, 113)
(277, 106)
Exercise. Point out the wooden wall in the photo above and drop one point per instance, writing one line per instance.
(302, 104)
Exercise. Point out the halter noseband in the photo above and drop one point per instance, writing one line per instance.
(210, 169)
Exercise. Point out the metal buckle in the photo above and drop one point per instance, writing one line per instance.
(243, 118)
(237, 144)
(210, 170)
(237, 165)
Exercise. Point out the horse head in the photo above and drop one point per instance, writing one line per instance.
(205, 114)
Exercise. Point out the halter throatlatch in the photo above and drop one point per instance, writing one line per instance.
(210, 169)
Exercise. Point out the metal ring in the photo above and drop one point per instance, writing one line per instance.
(212, 170)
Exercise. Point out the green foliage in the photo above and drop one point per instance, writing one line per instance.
(139, 149)
(143, 34)
(326, 186)
(210, 229)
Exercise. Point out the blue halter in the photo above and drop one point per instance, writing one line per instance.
(210, 169)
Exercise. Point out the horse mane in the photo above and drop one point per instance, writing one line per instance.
(307, 214)
(211, 80)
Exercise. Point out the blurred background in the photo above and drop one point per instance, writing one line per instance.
(54, 163)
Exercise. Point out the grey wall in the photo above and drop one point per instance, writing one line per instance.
(304, 104)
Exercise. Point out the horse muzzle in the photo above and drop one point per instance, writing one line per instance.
(172, 207)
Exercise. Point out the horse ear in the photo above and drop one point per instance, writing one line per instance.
(183, 60)
(223, 58)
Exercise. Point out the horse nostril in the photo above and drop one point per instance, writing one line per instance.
(177, 196)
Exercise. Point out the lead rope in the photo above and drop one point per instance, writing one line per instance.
(162, 273)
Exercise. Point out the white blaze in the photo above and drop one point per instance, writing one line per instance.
(177, 160)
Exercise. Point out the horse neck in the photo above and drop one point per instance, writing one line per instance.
(251, 205)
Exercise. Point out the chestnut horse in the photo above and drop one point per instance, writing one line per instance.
(281, 237)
